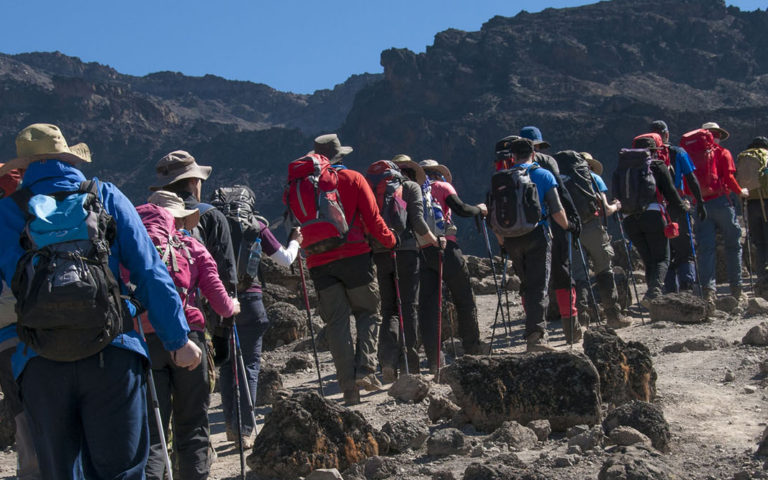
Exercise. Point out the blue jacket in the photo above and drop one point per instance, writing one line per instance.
(132, 248)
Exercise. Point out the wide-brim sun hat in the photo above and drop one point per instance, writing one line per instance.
(404, 161)
(174, 204)
(594, 164)
(330, 147)
(714, 127)
(430, 164)
(178, 165)
(44, 141)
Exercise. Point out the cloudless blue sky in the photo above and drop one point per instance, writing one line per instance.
(291, 45)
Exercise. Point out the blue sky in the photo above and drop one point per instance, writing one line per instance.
(291, 45)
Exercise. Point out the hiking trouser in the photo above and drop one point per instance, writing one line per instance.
(531, 256)
(185, 394)
(456, 278)
(758, 234)
(646, 232)
(560, 276)
(348, 287)
(28, 468)
(252, 323)
(88, 417)
(720, 215)
(597, 247)
(681, 275)
(389, 334)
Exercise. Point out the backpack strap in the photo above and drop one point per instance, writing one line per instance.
(203, 207)
(22, 197)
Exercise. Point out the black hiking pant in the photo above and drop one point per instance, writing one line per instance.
(646, 232)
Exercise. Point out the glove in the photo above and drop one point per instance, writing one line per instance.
(134, 306)
(574, 227)
(701, 211)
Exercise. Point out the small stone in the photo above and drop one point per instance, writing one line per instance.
(405, 434)
(757, 306)
(729, 377)
(726, 303)
(660, 324)
(443, 475)
(541, 428)
(764, 367)
(697, 345)
(644, 417)
(477, 451)
(742, 475)
(325, 474)
(449, 441)
(441, 408)
(298, 363)
(625, 436)
(588, 440)
(757, 335)
(577, 430)
(749, 389)
(564, 461)
(574, 450)
(381, 468)
(514, 435)
(678, 308)
(410, 388)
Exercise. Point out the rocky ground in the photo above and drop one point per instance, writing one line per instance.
(710, 387)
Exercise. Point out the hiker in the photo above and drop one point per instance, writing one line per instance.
(455, 272)
(561, 279)
(339, 258)
(183, 392)
(641, 183)
(82, 369)
(401, 206)
(588, 193)
(250, 240)
(526, 237)
(750, 166)
(27, 466)
(715, 173)
(681, 275)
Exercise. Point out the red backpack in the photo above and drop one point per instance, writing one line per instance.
(386, 182)
(313, 200)
(700, 145)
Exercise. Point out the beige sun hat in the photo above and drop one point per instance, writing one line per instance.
(404, 161)
(430, 164)
(174, 204)
(330, 147)
(176, 166)
(43, 141)
(594, 164)
(714, 127)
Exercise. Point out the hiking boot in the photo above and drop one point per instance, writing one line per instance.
(537, 342)
(572, 329)
(231, 435)
(614, 319)
(352, 397)
(738, 293)
(369, 382)
(248, 441)
(710, 296)
(388, 374)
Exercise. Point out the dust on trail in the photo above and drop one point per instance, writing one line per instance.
(715, 425)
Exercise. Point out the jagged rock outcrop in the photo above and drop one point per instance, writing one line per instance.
(644, 417)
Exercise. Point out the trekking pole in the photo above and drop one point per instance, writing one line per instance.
(311, 328)
(156, 408)
(631, 267)
(495, 282)
(439, 311)
(241, 362)
(238, 415)
(586, 275)
(506, 296)
(695, 258)
(569, 237)
(749, 250)
(400, 312)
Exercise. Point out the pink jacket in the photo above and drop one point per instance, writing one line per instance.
(203, 274)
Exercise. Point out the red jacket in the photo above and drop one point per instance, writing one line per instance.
(362, 216)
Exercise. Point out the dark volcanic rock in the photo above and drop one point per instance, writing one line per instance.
(298, 363)
(305, 432)
(270, 383)
(441, 408)
(404, 434)
(287, 324)
(626, 369)
(757, 335)
(514, 435)
(697, 345)
(632, 463)
(678, 308)
(644, 417)
(448, 441)
(410, 388)
(7, 426)
(561, 387)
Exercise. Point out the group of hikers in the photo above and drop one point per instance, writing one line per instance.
(118, 314)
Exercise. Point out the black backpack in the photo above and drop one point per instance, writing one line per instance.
(514, 208)
(577, 178)
(68, 301)
(633, 182)
(238, 204)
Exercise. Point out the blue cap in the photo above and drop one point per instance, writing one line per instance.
(534, 134)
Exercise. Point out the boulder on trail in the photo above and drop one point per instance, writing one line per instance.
(276, 274)
(410, 388)
(270, 383)
(7, 425)
(624, 436)
(325, 474)
(306, 432)
(513, 435)
(541, 428)
(287, 324)
(299, 363)
(678, 308)
(697, 345)
(644, 417)
(441, 408)
(626, 369)
(448, 441)
(632, 463)
(484, 286)
(478, 267)
(757, 335)
(405, 434)
(762, 448)
(757, 306)
(562, 387)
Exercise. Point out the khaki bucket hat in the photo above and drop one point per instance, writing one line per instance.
(331, 148)
(594, 164)
(174, 204)
(43, 141)
(176, 166)
(715, 128)
(404, 161)
(430, 164)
